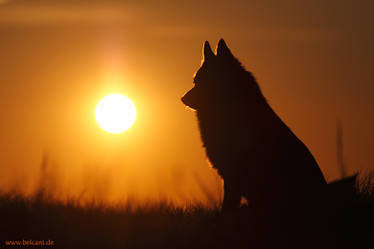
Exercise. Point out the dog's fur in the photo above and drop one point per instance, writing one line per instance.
(254, 152)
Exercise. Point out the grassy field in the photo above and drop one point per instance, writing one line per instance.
(37, 219)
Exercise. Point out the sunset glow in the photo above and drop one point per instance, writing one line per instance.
(61, 58)
(115, 113)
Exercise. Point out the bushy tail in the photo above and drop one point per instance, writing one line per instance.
(351, 209)
(344, 189)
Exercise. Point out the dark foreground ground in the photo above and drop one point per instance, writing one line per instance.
(349, 224)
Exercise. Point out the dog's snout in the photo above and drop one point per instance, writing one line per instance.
(183, 99)
(189, 99)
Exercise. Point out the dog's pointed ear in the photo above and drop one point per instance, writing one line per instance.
(208, 53)
(222, 49)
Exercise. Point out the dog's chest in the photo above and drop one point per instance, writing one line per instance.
(225, 140)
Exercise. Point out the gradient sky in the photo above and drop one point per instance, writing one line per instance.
(312, 59)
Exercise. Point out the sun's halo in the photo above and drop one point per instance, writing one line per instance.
(115, 113)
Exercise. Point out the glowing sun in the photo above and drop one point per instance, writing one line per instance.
(115, 113)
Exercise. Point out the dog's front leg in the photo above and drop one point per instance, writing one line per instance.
(232, 195)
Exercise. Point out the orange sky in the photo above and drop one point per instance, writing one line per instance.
(312, 59)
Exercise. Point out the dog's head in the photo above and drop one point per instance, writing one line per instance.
(219, 81)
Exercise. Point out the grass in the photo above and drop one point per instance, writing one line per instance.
(96, 225)
(349, 224)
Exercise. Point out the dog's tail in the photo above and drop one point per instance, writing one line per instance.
(344, 187)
